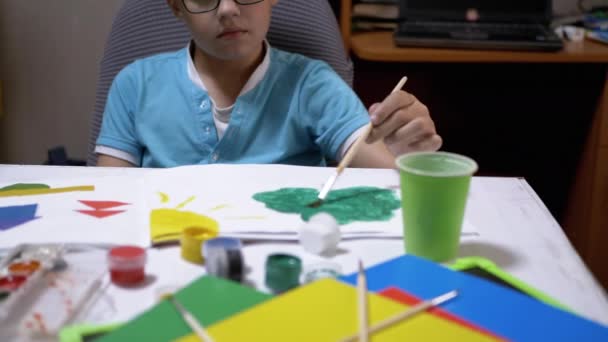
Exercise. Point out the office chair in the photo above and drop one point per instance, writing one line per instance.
(146, 27)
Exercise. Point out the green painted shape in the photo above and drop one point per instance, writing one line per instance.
(209, 299)
(362, 203)
(25, 186)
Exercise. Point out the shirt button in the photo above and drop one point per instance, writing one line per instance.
(204, 105)
(207, 129)
(215, 157)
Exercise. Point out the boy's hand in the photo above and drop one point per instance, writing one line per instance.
(404, 124)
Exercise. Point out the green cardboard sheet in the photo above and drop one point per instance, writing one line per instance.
(208, 298)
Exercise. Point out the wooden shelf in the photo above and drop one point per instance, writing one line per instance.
(379, 46)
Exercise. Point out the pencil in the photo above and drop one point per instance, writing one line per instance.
(418, 308)
(352, 151)
(190, 320)
(362, 304)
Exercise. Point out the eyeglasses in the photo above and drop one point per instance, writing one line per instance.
(202, 6)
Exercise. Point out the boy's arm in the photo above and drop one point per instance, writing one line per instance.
(117, 144)
(402, 124)
(375, 155)
(104, 160)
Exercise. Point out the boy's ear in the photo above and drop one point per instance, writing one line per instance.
(175, 8)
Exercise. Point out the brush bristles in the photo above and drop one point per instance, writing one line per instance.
(315, 204)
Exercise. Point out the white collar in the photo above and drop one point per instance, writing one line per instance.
(253, 81)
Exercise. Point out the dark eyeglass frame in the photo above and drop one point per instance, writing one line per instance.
(218, 5)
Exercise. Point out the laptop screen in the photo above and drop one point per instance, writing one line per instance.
(477, 10)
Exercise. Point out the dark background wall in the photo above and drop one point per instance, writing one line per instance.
(516, 120)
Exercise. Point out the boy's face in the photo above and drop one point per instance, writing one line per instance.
(229, 32)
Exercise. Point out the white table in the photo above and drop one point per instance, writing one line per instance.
(516, 231)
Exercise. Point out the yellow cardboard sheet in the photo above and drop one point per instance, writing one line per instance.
(326, 310)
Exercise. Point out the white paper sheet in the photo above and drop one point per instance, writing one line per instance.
(59, 221)
(224, 193)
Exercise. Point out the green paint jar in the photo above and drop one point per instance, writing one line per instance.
(282, 272)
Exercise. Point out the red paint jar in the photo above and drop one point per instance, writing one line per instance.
(127, 264)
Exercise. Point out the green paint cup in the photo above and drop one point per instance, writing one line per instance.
(282, 272)
(434, 188)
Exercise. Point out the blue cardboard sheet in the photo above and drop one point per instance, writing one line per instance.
(503, 311)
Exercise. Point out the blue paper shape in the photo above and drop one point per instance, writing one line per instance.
(503, 311)
(12, 216)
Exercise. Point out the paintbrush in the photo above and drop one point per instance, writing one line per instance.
(362, 304)
(412, 311)
(190, 319)
(349, 156)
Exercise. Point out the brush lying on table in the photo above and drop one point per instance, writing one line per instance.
(190, 319)
(362, 304)
(349, 156)
(400, 317)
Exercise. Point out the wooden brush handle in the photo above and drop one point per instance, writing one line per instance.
(353, 149)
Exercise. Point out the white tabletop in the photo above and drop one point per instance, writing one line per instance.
(516, 231)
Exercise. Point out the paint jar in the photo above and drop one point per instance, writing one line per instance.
(282, 272)
(192, 242)
(224, 259)
(320, 270)
(127, 265)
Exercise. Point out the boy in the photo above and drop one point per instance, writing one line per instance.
(231, 98)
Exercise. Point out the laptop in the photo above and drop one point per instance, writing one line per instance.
(477, 24)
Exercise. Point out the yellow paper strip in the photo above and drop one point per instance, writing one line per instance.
(32, 192)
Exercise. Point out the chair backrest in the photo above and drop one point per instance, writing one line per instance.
(145, 27)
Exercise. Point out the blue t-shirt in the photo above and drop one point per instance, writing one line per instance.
(300, 113)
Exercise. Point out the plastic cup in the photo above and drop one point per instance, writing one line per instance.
(434, 189)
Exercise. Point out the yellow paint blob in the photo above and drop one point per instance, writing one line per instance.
(167, 224)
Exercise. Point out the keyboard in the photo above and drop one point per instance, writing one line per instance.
(473, 31)
(485, 36)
